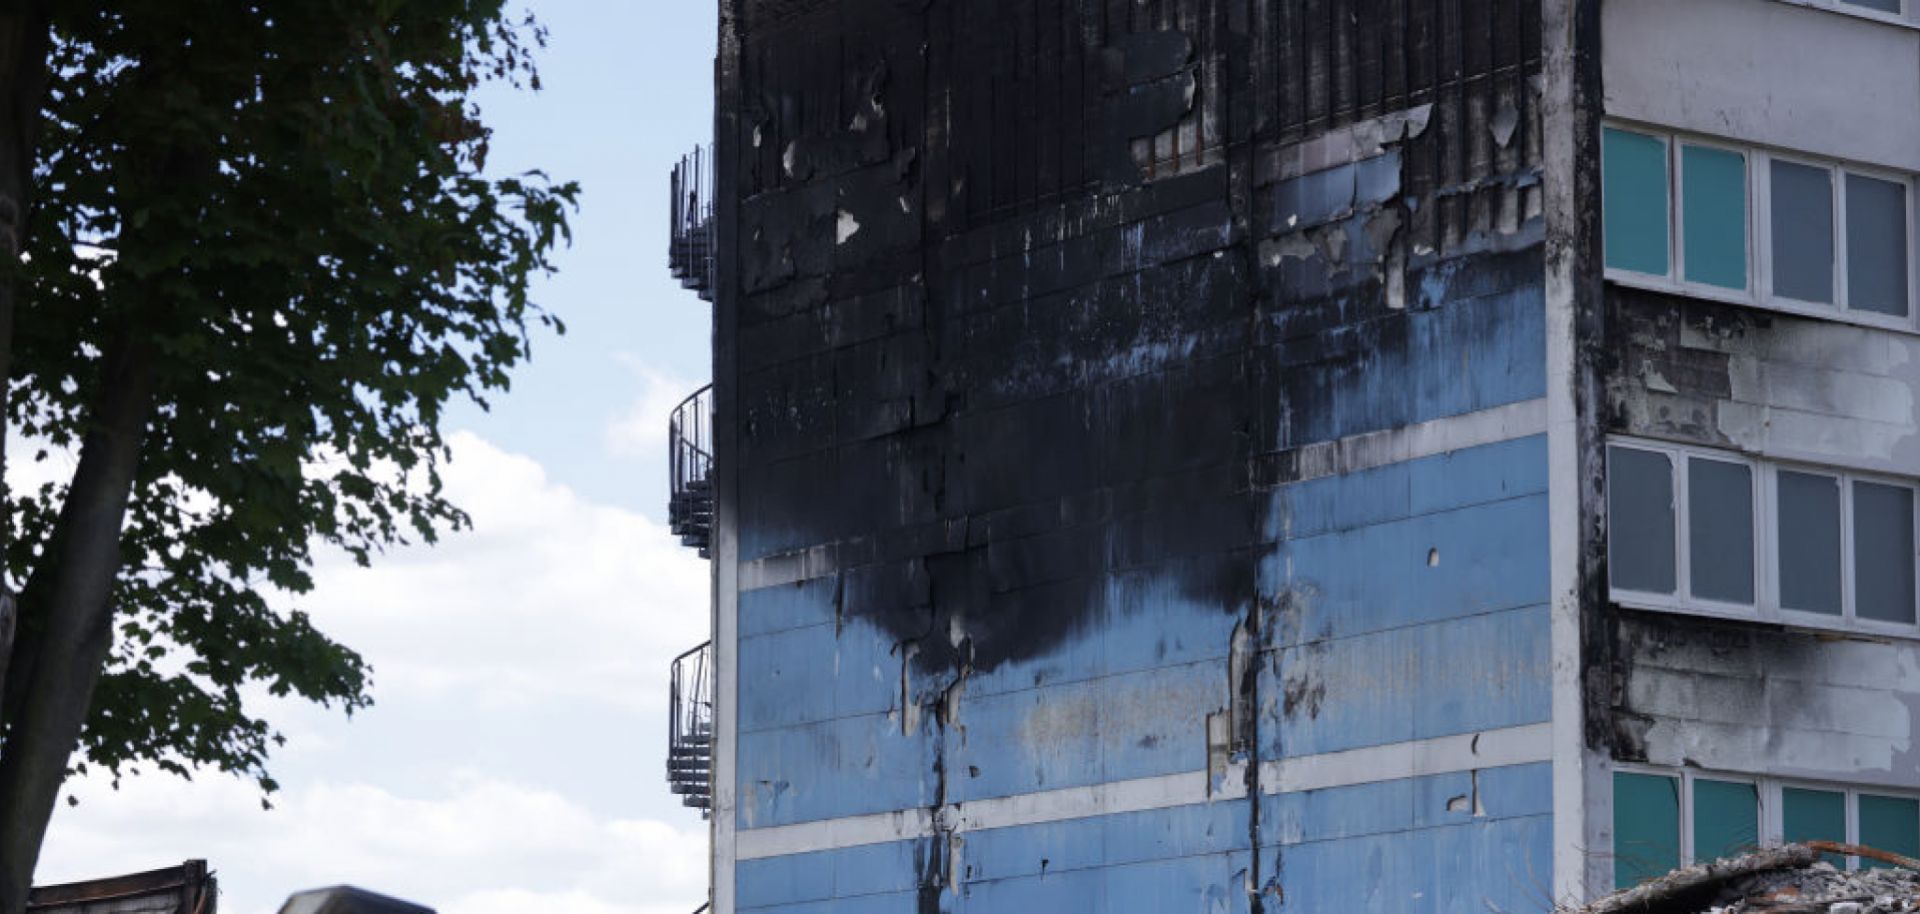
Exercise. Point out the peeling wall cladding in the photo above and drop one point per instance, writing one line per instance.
(1746, 697)
(1739, 697)
(1042, 303)
(1762, 382)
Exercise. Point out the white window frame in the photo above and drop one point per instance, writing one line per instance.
(1766, 606)
(1848, 619)
(1761, 180)
(1759, 241)
(1902, 18)
(1682, 598)
(1771, 816)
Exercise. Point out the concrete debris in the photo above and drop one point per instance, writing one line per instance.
(1795, 879)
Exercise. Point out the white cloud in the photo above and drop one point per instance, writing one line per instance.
(548, 598)
(512, 761)
(467, 850)
(641, 428)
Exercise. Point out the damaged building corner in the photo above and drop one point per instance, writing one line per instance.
(1201, 454)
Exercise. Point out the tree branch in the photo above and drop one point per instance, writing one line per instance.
(78, 625)
(25, 41)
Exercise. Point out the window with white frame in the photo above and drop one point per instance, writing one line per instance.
(1664, 819)
(1749, 225)
(1700, 530)
(1888, 10)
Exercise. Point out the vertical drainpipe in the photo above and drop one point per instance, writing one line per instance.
(726, 536)
(1570, 46)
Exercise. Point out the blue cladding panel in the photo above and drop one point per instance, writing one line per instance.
(876, 869)
(1190, 858)
(1207, 885)
(786, 678)
(1426, 844)
(773, 609)
(1467, 355)
(1114, 728)
(1518, 791)
(1503, 865)
(1479, 673)
(1408, 572)
(1145, 620)
(896, 903)
(843, 767)
(1410, 604)
(1493, 472)
(1077, 844)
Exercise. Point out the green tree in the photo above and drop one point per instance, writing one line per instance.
(264, 257)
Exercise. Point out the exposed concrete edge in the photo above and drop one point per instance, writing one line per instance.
(1568, 63)
(1500, 748)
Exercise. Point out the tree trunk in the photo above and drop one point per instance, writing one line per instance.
(77, 629)
(25, 40)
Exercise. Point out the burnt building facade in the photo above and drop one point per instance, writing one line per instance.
(1324, 455)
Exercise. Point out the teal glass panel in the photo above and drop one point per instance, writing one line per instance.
(1634, 201)
(1726, 819)
(1713, 192)
(1646, 827)
(1889, 824)
(1814, 815)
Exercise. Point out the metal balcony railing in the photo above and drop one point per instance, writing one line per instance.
(690, 729)
(690, 471)
(690, 239)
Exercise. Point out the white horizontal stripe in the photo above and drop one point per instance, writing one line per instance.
(1441, 755)
(1397, 761)
(832, 834)
(1424, 439)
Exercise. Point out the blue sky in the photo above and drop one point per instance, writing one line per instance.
(514, 758)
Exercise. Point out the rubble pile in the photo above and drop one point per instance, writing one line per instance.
(1783, 880)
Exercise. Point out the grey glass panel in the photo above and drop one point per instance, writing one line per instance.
(1640, 538)
(1885, 6)
(1809, 542)
(1802, 232)
(1720, 530)
(1883, 552)
(1876, 245)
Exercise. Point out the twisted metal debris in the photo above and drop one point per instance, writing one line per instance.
(1794, 879)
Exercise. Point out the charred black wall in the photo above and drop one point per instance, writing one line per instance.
(1022, 271)
(1050, 316)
